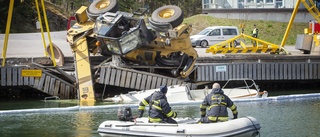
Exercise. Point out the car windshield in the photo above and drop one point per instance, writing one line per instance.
(204, 32)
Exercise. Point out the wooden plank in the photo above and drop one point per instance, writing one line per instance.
(143, 82)
(154, 82)
(307, 71)
(133, 80)
(241, 71)
(260, 71)
(20, 78)
(226, 73)
(237, 71)
(174, 81)
(57, 88)
(107, 76)
(267, 69)
(41, 82)
(31, 79)
(14, 76)
(169, 82)
(52, 86)
(250, 71)
(148, 85)
(62, 90)
(112, 76)
(138, 81)
(315, 72)
(36, 82)
(318, 71)
(159, 82)
(102, 75)
(211, 70)
(26, 81)
(207, 73)
(128, 80)
(118, 77)
(67, 94)
(47, 84)
(285, 71)
(218, 76)
(200, 73)
(281, 71)
(294, 71)
(203, 73)
(298, 71)
(302, 69)
(164, 81)
(123, 78)
(257, 71)
(290, 67)
(215, 73)
(245, 70)
(73, 93)
(9, 76)
(3, 76)
(0, 75)
(276, 71)
(311, 72)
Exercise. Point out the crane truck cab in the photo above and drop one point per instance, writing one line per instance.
(213, 35)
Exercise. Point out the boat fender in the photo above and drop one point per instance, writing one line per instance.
(125, 114)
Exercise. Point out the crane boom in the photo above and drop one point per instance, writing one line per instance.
(310, 6)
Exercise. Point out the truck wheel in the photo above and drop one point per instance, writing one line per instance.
(99, 7)
(204, 44)
(168, 14)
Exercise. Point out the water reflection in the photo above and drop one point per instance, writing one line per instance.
(277, 117)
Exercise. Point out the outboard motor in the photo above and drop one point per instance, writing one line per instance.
(125, 114)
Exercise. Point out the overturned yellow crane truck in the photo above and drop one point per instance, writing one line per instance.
(164, 41)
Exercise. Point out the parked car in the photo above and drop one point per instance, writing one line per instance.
(213, 35)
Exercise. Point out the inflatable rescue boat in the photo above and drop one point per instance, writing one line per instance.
(241, 127)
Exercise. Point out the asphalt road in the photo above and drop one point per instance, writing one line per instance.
(31, 45)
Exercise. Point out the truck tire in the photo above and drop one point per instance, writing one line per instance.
(167, 14)
(99, 7)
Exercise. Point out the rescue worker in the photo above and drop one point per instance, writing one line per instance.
(255, 31)
(217, 103)
(255, 34)
(159, 109)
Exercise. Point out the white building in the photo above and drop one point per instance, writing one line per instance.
(241, 4)
(276, 10)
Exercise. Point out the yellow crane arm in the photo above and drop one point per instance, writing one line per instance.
(310, 6)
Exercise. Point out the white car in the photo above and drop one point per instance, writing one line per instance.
(213, 35)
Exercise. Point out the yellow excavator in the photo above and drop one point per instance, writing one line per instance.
(131, 39)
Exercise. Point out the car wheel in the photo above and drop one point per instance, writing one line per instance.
(168, 14)
(99, 7)
(204, 44)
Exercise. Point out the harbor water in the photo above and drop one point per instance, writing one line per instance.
(280, 116)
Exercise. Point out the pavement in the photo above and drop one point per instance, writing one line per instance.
(31, 45)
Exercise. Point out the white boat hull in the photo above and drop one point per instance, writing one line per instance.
(242, 127)
(182, 93)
